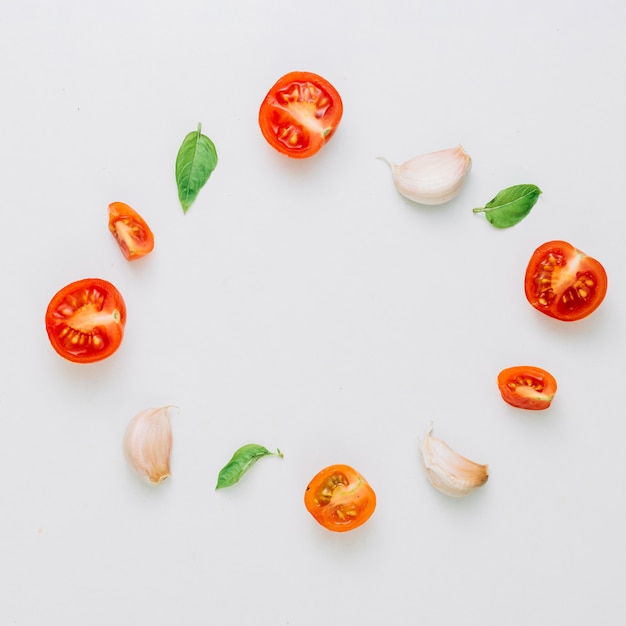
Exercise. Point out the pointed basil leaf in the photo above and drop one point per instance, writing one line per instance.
(510, 206)
(195, 162)
(242, 461)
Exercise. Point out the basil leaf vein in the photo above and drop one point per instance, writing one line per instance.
(242, 460)
(195, 162)
(510, 206)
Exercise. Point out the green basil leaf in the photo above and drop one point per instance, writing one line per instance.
(511, 205)
(242, 461)
(195, 162)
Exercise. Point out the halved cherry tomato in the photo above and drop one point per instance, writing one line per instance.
(527, 387)
(85, 320)
(339, 498)
(563, 282)
(300, 113)
(133, 235)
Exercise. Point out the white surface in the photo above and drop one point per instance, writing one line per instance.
(307, 306)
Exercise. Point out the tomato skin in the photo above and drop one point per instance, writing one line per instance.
(339, 498)
(527, 387)
(300, 113)
(563, 282)
(132, 233)
(85, 320)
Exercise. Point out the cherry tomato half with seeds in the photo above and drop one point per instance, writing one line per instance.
(130, 230)
(339, 498)
(563, 282)
(85, 320)
(300, 113)
(527, 387)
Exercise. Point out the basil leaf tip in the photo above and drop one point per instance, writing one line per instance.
(195, 162)
(242, 460)
(510, 206)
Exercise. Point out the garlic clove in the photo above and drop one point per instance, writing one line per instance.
(448, 471)
(148, 444)
(432, 178)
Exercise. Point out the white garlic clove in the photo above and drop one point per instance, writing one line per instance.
(432, 178)
(448, 471)
(148, 444)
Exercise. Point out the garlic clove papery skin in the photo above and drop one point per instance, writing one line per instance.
(433, 178)
(448, 471)
(148, 444)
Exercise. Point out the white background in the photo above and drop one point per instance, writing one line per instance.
(306, 305)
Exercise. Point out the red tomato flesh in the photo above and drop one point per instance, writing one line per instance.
(339, 498)
(85, 320)
(300, 113)
(527, 387)
(130, 230)
(563, 282)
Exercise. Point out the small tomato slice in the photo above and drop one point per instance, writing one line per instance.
(527, 387)
(339, 498)
(133, 235)
(85, 320)
(563, 282)
(300, 113)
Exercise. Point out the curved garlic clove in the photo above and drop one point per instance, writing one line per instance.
(448, 471)
(148, 444)
(432, 178)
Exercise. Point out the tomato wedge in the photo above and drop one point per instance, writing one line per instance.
(131, 231)
(300, 113)
(85, 320)
(527, 387)
(339, 498)
(563, 282)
